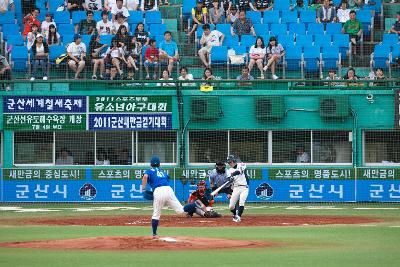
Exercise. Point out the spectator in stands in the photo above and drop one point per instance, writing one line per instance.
(351, 76)
(30, 20)
(207, 4)
(40, 53)
(326, 13)
(149, 5)
(53, 37)
(208, 75)
(119, 9)
(226, 5)
(353, 27)
(232, 15)
(355, 4)
(166, 77)
(65, 158)
(75, 5)
(131, 55)
(93, 5)
(199, 16)
(379, 77)
(169, 51)
(102, 157)
(46, 24)
(76, 52)
(343, 13)
(141, 36)
(27, 6)
(332, 77)
(262, 5)
(115, 55)
(118, 23)
(245, 5)
(396, 26)
(104, 26)
(5, 4)
(216, 13)
(185, 76)
(298, 6)
(31, 37)
(302, 155)
(275, 52)
(245, 76)
(112, 74)
(242, 25)
(257, 55)
(151, 58)
(108, 4)
(207, 41)
(95, 48)
(132, 5)
(86, 26)
(5, 72)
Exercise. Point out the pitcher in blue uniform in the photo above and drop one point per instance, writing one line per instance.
(162, 192)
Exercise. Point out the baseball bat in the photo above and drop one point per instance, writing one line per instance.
(213, 193)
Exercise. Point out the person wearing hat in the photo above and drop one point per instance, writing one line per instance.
(76, 52)
(86, 26)
(104, 26)
(46, 24)
(40, 53)
(396, 26)
(162, 193)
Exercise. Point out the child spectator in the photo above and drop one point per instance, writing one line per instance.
(104, 26)
(40, 53)
(86, 26)
(30, 20)
(53, 37)
(95, 48)
(151, 59)
(32, 36)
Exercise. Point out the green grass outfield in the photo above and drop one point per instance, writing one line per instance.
(331, 245)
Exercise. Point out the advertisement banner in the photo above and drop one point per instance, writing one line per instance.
(136, 122)
(44, 104)
(130, 104)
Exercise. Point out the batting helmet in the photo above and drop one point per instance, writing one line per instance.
(231, 158)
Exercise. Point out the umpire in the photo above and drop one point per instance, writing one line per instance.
(218, 177)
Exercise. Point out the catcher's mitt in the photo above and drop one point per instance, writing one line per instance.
(212, 214)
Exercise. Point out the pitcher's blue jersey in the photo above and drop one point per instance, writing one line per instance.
(157, 177)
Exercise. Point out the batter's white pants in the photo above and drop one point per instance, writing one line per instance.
(165, 196)
(239, 193)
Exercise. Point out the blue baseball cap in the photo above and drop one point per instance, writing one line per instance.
(155, 161)
(77, 36)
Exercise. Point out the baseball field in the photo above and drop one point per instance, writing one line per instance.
(279, 234)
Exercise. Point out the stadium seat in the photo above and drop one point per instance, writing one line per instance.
(230, 40)
(219, 55)
(315, 28)
(77, 16)
(65, 29)
(333, 28)
(289, 16)
(86, 40)
(311, 59)
(14, 40)
(390, 39)
(67, 39)
(157, 29)
(322, 40)
(20, 58)
(186, 9)
(380, 58)
(7, 17)
(377, 6)
(331, 58)
(282, 5)
(247, 41)
(54, 52)
(293, 58)
(367, 21)
(271, 16)
(308, 16)
(135, 17)
(62, 17)
(224, 28)
(304, 40)
(261, 29)
(106, 39)
(343, 42)
(9, 30)
(285, 40)
(153, 17)
(266, 38)
(54, 4)
(255, 16)
(278, 29)
(297, 28)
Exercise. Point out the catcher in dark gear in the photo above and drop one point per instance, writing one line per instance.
(200, 202)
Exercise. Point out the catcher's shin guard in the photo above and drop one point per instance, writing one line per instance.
(199, 212)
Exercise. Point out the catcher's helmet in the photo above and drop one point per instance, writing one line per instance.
(201, 187)
(231, 158)
(220, 167)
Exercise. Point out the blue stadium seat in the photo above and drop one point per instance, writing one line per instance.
(377, 6)
(153, 17)
(15, 40)
(106, 39)
(62, 17)
(157, 29)
(380, 57)
(54, 52)
(9, 30)
(86, 40)
(230, 40)
(395, 52)
(343, 42)
(367, 21)
(322, 40)
(297, 28)
(315, 28)
(19, 58)
(65, 29)
(77, 16)
(278, 29)
(293, 58)
(54, 4)
(219, 55)
(337, 3)
(304, 40)
(186, 9)
(135, 17)
(330, 58)
(390, 39)
(286, 40)
(271, 16)
(311, 59)
(224, 28)
(333, 28)
(282, 5)
(308, 16)
(261, 29)
(266, 38)
(247, 41)
(7, 17)
(289, 16)
(67, 39)
(255, 16)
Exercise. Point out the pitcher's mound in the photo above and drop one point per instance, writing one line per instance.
(139, 243)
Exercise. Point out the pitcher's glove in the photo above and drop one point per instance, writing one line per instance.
(148, 195)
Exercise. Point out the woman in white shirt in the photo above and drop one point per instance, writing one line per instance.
(343, 13)
(46, 24)
(31, 37)
(185, 76)
(165, 77)
(116, 55)
(257, 54)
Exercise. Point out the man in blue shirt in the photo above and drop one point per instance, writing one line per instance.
(169, 51)
(162, 192)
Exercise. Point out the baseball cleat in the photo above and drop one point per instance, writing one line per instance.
(236, 218)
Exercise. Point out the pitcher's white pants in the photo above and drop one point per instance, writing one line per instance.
(165, 196)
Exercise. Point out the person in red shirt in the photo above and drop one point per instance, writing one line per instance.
(151, 58)
(29, 20)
